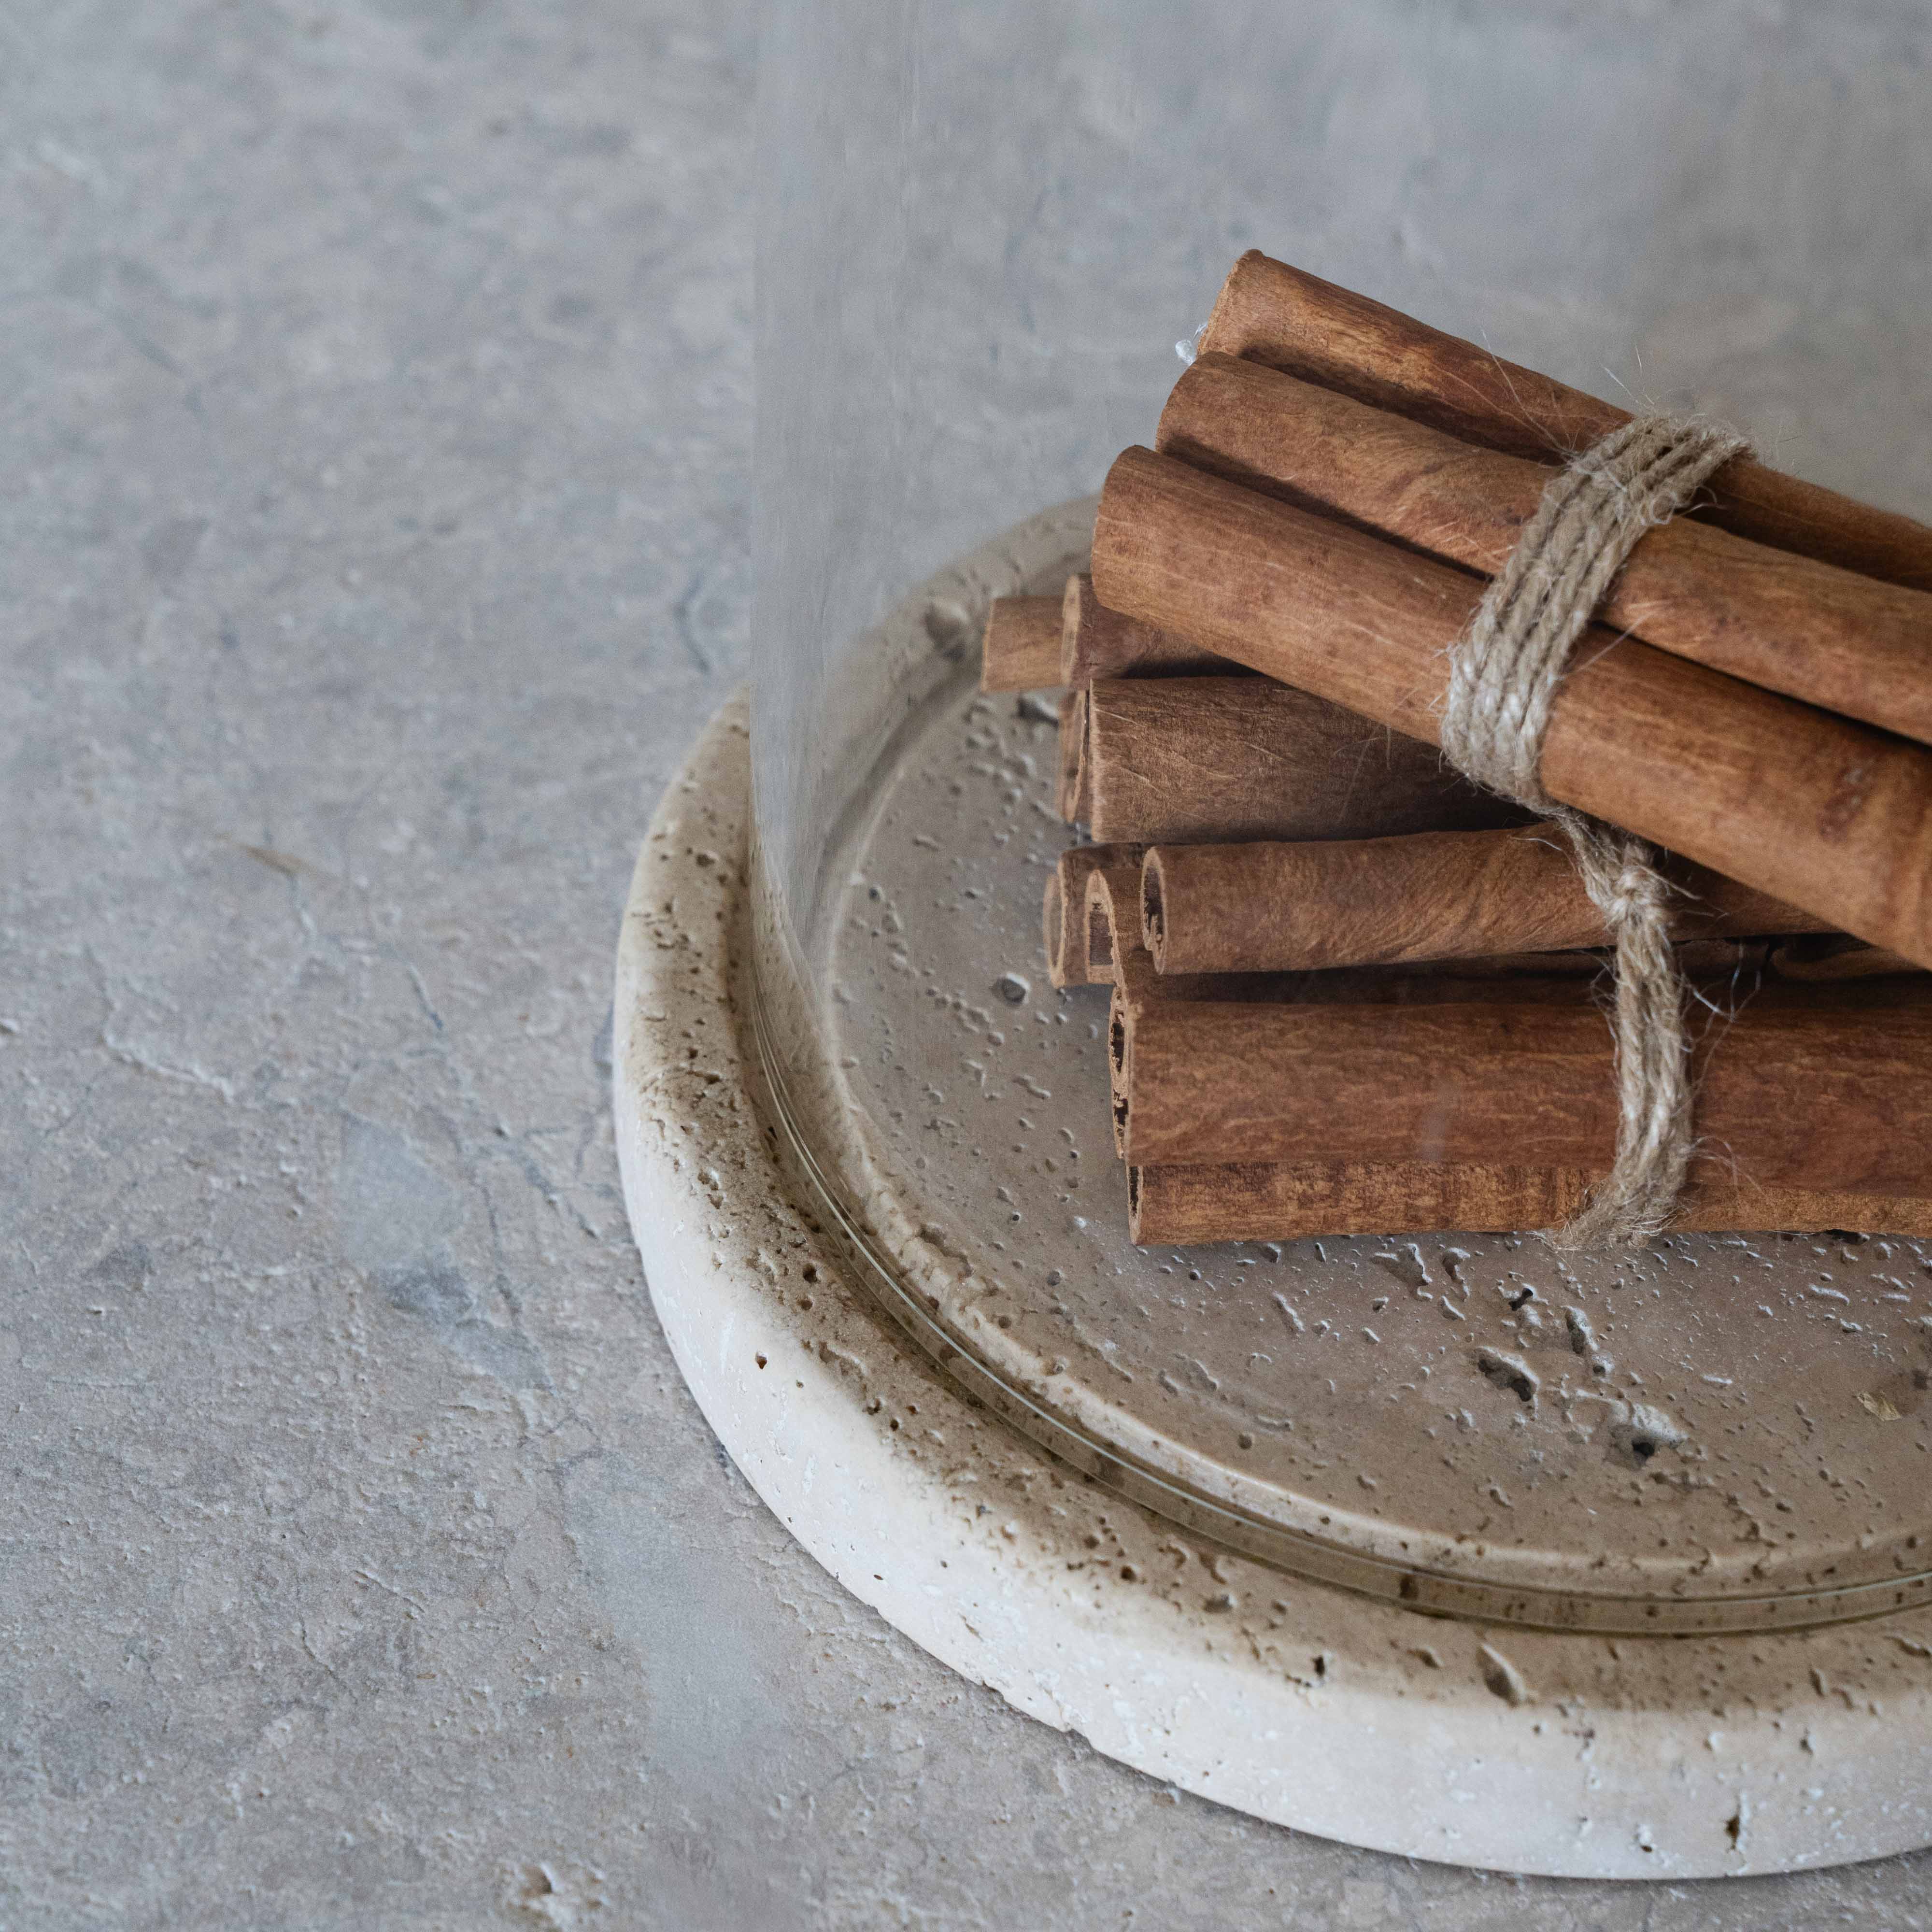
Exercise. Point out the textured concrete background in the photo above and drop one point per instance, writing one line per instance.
(373, 516)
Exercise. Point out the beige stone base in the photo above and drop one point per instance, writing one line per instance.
(1519, 1750)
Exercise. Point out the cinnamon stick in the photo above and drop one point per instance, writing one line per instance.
(1082, 811)
(1111, 894)
(1270, 908)
(1268, 312)
(1137, 986)
(1822, 1087)
(1826, 814)
(1835, 957)
(1559, 979)
(1186, 1206)
(1070, 799)
(1021, 651)
(1096, 642)
(1186, 759)
(1829, 636)
(1079, 951)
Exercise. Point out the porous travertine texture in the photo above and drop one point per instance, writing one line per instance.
(1571, 1754)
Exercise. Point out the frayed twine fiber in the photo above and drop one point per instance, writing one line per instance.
(1504, 673)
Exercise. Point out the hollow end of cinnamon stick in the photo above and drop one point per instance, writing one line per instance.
(1078, 934)
(1099, 941)
(1053, 929)
(1112, 900)
(1117, 1076)
(1097, 642)
(1154, 911)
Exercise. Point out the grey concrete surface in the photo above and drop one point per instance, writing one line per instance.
(374, 517)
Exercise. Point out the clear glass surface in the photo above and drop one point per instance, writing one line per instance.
(982, 229)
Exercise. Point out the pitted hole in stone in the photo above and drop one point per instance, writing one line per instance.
(1583, 1341)
(1734, 1825)
(1501, 1678)
(1405, 1264)
(1510, 1372)
(1521, 1299)
(1296, 1474)
(1633, 1439)
(1012, 989)
(949, 626)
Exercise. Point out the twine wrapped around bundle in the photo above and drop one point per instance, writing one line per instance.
(1365, 510)
(1504, 670)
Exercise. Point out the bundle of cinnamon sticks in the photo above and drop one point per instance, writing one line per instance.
(1353, 992)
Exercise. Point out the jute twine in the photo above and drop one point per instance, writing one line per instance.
(1504, 673)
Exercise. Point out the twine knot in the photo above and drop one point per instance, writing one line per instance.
(1504, 673)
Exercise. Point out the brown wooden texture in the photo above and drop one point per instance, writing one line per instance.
(1268, 312)
(1829, 815)
(1021, 651)
(1097, 642)
(1111, 895)
(1269, 906)
(1078, 953)
(1181, 1207)
(1185, 759)
(1137, 986)
(1830, 636)
(1082, 811)
(1826, 958)
(1560, 980)
(1812, 1087)
(1071, 773)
